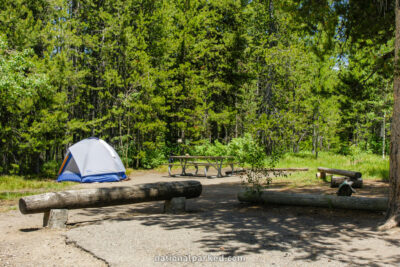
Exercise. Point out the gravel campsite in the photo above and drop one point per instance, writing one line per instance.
(215, 227)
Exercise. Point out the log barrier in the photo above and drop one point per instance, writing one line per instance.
(108, 196)
(55, 205)
(315, 200)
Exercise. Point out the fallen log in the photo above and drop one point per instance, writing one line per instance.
(274, 170)
(328, 201)
(351, 174)
(235, 171)
(338, 180)
(101, 197)
(290, 169)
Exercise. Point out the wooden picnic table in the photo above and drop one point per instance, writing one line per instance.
(212, 161)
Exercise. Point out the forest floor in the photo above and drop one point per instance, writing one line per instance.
(216, 224)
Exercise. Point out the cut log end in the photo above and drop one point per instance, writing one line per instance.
(22, 206)
(345, 189)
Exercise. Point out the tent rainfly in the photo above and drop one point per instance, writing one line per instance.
(91, 160)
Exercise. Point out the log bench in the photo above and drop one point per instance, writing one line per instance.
(346, 182)
(55, 205)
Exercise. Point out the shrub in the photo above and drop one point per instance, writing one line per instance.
(50, 168)
(208, 149)
(247, 151)
(152, 158)
(128, 171)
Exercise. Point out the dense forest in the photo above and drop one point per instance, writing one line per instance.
(150, 76)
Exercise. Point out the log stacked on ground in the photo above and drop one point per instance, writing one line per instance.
(101, 197)
(338, 180)
(274, 170)
(290, 169)
(351, 179)
(351, 174)
(329, 201)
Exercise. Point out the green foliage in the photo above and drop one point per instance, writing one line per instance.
(247, 151)
(253, 78)
(256, 179)
(50, 169)
(244, 149)
(129, 171)
(208, 149)
(152, 159)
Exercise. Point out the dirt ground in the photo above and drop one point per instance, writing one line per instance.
(216, 224)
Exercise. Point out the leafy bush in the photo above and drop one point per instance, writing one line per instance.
(152, 158)
(344, 149)
(14, 168)
(247, 151)
(50, 168)
(208, 149)
(244, 149)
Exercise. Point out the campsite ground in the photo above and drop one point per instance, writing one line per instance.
(215, 225)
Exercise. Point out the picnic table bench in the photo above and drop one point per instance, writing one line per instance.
(216, 162)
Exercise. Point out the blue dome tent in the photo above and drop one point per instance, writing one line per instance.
(91, 160)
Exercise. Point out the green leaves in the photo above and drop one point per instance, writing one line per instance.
(261, 76)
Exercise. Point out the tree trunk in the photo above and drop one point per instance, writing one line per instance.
(383, 135)
(393, 211)
(101, 197)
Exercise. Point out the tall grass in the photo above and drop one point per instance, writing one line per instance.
(371, 166)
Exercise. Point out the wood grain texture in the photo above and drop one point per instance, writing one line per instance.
(109, 196)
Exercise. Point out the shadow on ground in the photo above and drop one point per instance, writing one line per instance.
(236, 229)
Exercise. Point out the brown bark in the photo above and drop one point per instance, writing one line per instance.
(393, 211)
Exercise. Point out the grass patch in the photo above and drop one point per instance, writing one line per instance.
(13, 187)
(371, 166)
